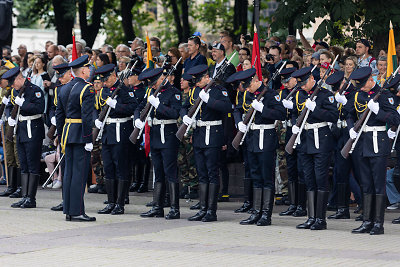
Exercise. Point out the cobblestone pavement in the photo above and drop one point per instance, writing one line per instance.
(41, 237)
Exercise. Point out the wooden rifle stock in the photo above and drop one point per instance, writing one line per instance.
(14, 115)
(147, 109)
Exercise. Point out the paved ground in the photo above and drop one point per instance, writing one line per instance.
(41, 237)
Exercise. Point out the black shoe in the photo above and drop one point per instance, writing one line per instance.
(257, 204)
(94, 189)
(322, 201)
(365, 227)
(17, 193)
(358, 209)
(311, 204)
(150, 204)
(68, 217)
(159, 197)
(143, 188)
(268, 203)
(341, 213)
(198, 216)
(367, 224)
(19, 203)
(134, 187)
(289, 211)
(24, 190)
(154, 212)
(202, 205)
(174, 198)
(307, 224)
(251, 211)
(12, 183)
(195, 206)
(29, 203)
(380, 206)
(173, 214)
(211, 216)
(300, 212)
(396, 221)
(59, 207)
(244, 208)
(183, 192)
(359, 218)
(7, 192)
(253, 219)
(118, 210)
(377, 229)
(82, 218)
(107, 209)
(320, 224)
(32, 189)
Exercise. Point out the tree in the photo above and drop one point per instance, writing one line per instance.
(90, 31)
(64, 18)
(240, 17)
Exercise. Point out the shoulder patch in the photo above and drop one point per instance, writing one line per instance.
(331, 99)
(391, 101)
(225, 93)
(278, 98)
(131, 94)
(178, 97)
(38, 94)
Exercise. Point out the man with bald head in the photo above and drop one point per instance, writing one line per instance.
(22, 51)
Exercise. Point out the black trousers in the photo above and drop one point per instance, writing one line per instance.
(316, 168)
(29, 154)
(77, 168)
(262, 169)
(165, 164)
(207, 164)
(373, 174)
(116, 161)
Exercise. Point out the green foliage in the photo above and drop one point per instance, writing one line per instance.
(217, 15)
(31, 11)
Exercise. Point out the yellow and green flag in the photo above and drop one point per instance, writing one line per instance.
(391, 55)
(149, 62)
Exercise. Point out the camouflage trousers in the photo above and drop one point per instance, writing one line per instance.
(97, 163)
(186, 163)
(11, 150)
(281, 177)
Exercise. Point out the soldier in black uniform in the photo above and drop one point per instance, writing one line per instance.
(318, 145)
(261, 142)
(30, 133)
(115, 138)
(163, 142)
(373, 146)
(74, 119)
(296, 184)
(208, 139)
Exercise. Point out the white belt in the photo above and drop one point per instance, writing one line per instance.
(28, 120)
(162, 123)
(208, 125)
(375, 130)
(315, 126)
(341, 124)
(261, 128)
(117, 122)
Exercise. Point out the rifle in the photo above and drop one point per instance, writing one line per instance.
(395, 139)
(3, 106)
(192, 113)
(146, 111)
(302, 119)
(105, 112)
(362, 122)
(54, 171)
(240, 136)
(12, 130)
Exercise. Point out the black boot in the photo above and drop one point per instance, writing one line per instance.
(32, 189)
(111, 197)
(174, 194)
(248, 197)
(380, 201)
(144, 186)
(122, 191)
(322, 201)
(18, 192)
(396, 221)
(12, 182)
(268, 203)
(257, 204)
(311, 197)
(301, 199)
(203, 203)
(167, 200)
(24, 190)
(211, 215)
(342, 203)
(292, 198)
(367, 224)
(59, 207)
(195, 206)
(158, 208)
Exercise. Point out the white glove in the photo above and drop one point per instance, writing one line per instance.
(53, 120)
(242, 127)
(310, 104)
(295, 129)
(287, 104)
(373, 106)
(204, 96)
(5, 100)
(257, 105)
(139, 124)
(154, 101)
(97, 123)
(353, 134)
(111, 102)
(11, 122)
(341, 99)
(187, 120)
(1, 122)
(89, 147)
(398, 110)
(19, 101)
(391, 134)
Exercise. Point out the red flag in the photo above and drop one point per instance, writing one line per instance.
(74, 51)
(147, 139)
(255, 55)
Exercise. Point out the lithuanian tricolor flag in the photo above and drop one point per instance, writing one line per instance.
(391, 55)
(149, 62)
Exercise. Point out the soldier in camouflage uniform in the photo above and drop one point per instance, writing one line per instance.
(14, 173)
(280, 170)
(97, 163)
(186, 163)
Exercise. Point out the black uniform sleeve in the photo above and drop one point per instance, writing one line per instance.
(126, 102)
(327, 110)
(171, 111)
(87, 109)
(35, 103)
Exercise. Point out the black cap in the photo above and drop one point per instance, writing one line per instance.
(233, 77)
(302, 75)
(394, 83)
(286, 74)
(219, 46)
(82, 61)
(135, 71)
(246, 76)
(105, 71)
(198, 72)
(151, 76)
(96, 78)
(11, 74)
(187, 77)
(361, 76)
(365, 42)
(335, 79)
(61, 69)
